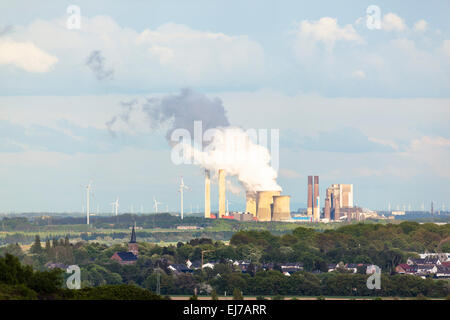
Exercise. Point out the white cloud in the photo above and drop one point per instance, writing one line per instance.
(433, 152)
(392, 22)
(359, 74)
(446, 49)
(327, 31)
(420, 25)
(26, 56)
(171, 54)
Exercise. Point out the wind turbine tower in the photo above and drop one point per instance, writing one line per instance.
(181, 190)
(115, 205)
(155, 205)
(88, 190)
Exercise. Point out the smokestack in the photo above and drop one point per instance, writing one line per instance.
(207, 194)
(281, 208)
(250, 205)
(310, 196)
(316, 207)
(222, 192)
(327, 210)
(317, 210)
(264, 200)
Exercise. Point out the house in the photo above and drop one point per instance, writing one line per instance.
(291, 267)
(442, 271)
(354, 266)
(179, 268)
(55, 265)
(332, 267)
(130, 256)
(124, 257)
(405, 268)
(426, 269)
(428, 260)
(242, 265)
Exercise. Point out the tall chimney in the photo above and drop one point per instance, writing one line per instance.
(310, 196)
(327, 210)
(222, 192)
(207, 194)
(316, 207)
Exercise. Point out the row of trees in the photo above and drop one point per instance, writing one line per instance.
(383, 245)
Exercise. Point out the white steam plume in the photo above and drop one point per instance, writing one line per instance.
(233, 150)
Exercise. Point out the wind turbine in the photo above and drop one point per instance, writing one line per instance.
(181, 190)
(155, 205)
(115, 206)
(88, 190)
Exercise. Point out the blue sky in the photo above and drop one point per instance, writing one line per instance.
(353, 105)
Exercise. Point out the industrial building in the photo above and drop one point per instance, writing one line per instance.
(339, 203)
(313, 209)
(265, 205)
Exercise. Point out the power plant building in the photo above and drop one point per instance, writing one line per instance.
(250, 202)
(207, 194)
(313, 209)
(281, 208)
(339, 202)
(264, 201)
(222, 192)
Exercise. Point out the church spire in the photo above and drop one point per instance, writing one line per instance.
(133, 234)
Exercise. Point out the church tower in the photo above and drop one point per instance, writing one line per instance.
(132, 245)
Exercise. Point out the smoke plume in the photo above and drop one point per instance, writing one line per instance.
(232, 149)
(96, 62)
(229, 148)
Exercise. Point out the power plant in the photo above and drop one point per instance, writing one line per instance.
(260, 205)
(207, 194)
(250, 203)
(281, 208)
(271, 205)
(313, 209)
(222, 192)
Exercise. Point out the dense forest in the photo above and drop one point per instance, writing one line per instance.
(383, 245)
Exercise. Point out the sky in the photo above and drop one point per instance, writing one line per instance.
(352, 103)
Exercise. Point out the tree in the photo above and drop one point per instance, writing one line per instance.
(36, 247)
(47, 245)
(237, 294)
(214, 295)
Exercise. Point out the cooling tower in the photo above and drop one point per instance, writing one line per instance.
(222, 192)
(264, 200)
(281, 208)
(250, 205)
(310, 196)
(207, 194)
